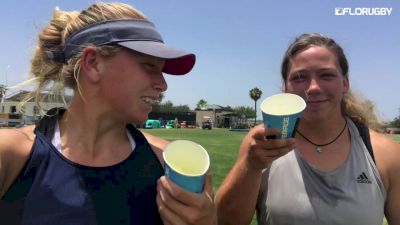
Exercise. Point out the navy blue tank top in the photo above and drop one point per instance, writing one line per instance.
(50, 189)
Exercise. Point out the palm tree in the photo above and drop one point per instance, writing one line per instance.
(255, 94)
(3, 90)
(201, 103)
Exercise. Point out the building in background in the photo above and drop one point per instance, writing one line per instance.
(221, 117)
(10, 116)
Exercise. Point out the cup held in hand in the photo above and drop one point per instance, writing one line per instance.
(283, 111)
(186, 164)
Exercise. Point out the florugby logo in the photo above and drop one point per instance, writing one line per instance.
(363, 179)
(343, 11)
(339, 11)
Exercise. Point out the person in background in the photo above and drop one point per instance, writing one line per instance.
(328, 173)
(88, 164)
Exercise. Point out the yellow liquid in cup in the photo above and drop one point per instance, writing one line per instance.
(283, 104)
(186, 157)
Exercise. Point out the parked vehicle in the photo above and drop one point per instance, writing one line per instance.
(152, 124)
(206, 125)
(171, 124)
(183, 124)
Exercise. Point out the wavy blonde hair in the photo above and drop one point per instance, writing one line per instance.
(54, 77)
(351, 105)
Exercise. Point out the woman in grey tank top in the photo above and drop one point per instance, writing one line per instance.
(325, 174)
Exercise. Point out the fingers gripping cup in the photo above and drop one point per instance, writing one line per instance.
(283, 111)
(186, 164)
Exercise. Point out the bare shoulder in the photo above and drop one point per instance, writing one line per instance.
(387, 155)
(157, 144)
(15, 147)
(16, 140)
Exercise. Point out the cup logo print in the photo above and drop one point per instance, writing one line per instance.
(282, 111)
(285, 126)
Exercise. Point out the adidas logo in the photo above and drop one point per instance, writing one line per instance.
(363, 179)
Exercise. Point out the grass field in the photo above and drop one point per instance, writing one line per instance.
(221, 144)
(396, 137)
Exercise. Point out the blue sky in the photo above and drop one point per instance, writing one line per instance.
(239, 44)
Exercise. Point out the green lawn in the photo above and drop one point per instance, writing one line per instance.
(395, 138)
(221, 144)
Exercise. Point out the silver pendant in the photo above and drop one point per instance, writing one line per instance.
(318, 149)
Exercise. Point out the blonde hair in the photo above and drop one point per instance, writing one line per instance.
(360, 109)
(351, 105)
(53, 77)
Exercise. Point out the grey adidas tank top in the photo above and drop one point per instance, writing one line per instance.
(294, 192)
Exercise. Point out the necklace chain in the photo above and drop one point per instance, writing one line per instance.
(318, 147)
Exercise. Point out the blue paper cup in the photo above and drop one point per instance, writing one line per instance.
(186, 164)
(283, 111)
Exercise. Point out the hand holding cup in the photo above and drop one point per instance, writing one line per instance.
(283, 111)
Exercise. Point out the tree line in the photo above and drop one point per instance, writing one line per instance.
(168, 106)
